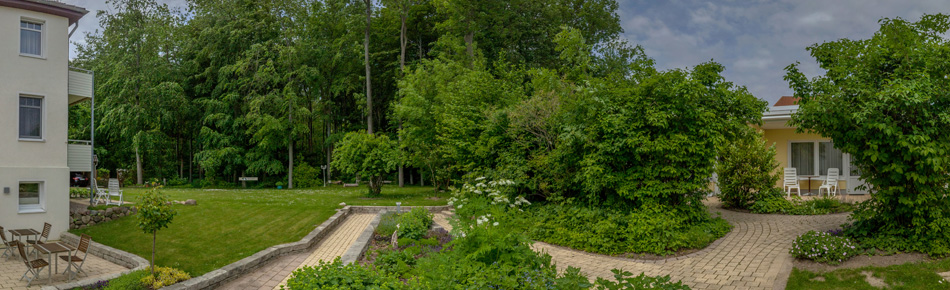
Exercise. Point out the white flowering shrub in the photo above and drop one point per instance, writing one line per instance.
(823, 247)
(483, 204)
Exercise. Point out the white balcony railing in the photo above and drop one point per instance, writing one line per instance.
(80, 85)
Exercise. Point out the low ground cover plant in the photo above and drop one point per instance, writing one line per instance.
(824, 247)
(776, 202)
(660, 231)
(415, 223)
(164, 276)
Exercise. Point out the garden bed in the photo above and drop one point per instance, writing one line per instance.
(861, 261)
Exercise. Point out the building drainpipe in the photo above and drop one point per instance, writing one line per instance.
(92, 140)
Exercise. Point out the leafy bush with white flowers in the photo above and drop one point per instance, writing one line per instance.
(824, 247)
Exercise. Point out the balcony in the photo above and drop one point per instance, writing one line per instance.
(79, 155)
(80, 85)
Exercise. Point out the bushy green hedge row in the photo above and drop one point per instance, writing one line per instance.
(659, 230)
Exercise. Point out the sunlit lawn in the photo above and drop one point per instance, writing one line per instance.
(230, 224)
(921, 275)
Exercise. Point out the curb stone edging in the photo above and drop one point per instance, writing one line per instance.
(234, 270)
(362, 243)
(376, 209)
(113, 255)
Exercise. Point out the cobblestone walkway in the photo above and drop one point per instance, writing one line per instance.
(277, 272)
(11, 269)
(754, 255)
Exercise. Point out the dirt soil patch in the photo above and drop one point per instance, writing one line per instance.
(862, 261)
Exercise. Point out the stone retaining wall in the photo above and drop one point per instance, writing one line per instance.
(362, 242)
(113, 255)
(82, 218)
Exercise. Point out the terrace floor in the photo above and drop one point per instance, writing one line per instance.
(11, 269)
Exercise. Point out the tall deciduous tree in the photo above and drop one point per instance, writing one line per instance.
(140, 99)
(885, 100)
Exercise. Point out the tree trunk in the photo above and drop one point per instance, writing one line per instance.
(138, 166)
(290, 147)
(369, 83)
(402, 68)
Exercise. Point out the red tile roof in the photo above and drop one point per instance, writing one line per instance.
(786, 101)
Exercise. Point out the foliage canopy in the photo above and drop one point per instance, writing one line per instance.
(886, 101)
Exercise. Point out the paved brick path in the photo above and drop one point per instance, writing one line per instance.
(753, 256)
(277, 272)
(12, 268)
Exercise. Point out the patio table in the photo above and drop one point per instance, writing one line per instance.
(53, 248)
(19, 233)
(808, 177)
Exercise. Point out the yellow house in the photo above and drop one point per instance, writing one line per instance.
(811, 154)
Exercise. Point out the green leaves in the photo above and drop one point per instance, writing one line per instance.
(155, 212)
(880, 100)
(368, 156)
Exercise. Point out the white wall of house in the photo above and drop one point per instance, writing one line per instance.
(42, 160)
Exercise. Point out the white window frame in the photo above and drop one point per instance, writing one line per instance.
(42, 31)
(40, 207)
(845, 158)
(42, 117)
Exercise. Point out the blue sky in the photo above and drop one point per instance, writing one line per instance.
(754, 39)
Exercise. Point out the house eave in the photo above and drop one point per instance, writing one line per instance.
(73, 13)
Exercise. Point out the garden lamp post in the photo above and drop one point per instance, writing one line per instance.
(324, 167)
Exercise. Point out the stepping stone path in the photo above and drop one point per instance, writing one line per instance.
(276, 273)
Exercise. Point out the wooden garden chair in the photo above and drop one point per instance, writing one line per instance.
(75, 261)
(32, 267)
(8, 246)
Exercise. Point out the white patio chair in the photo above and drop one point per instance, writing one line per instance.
(831, 183)
(114, 190)
(102, 196)
(791, 181)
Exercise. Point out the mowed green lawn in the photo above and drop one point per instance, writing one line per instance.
(230, 224)
(922, 275)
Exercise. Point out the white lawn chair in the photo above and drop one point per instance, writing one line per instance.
(114, 190)
(791, 181)
(102, 196)
(831, 183)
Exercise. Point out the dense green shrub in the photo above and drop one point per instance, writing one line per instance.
(164, 276)
(307, 176)
(642, 281)
(746, 168)
(823, 248)
(397, 262)
(335, 275)
(660, 230)
(130, 281)
(78, 192)
(415, 223)
(884, 100)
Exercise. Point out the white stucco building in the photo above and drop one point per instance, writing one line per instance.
(36, 89)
